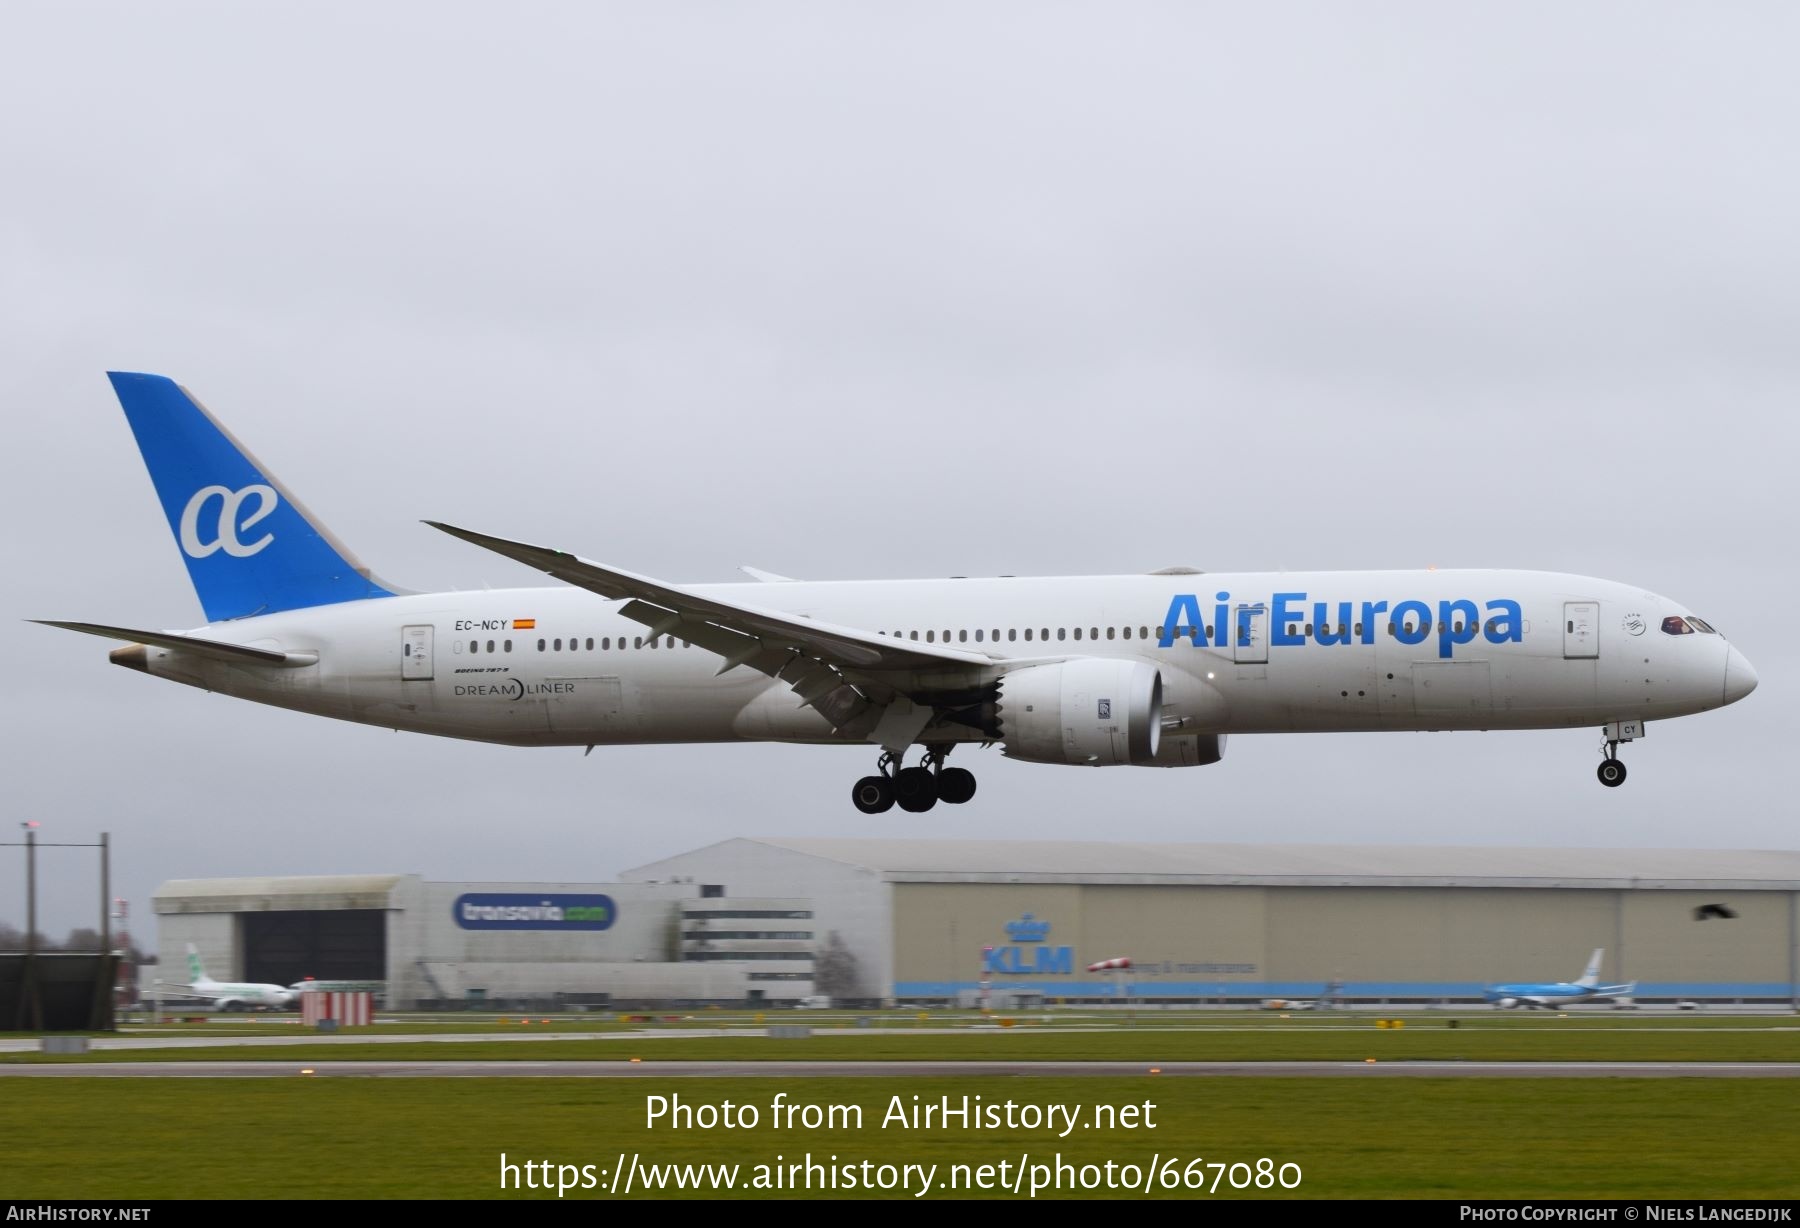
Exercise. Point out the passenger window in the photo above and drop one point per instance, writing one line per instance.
(1078, 633)
(637, 641)
(1062, 633)
(474, 645)
(540, 645)
(1127, 632)
(1672, 625)
(931, 637)
(1012, 634)
(605, 643)
(490, 645)
(507, 645)
(913, 634)
(590, 643)
(1028, 634)
(962, 637)
(1109, 633)
(1159, 633)
(1044, 634)
(1309, 629)
(946, 635)
(556, 645)
(1144, 633)
(978, 635)
(1359, 630)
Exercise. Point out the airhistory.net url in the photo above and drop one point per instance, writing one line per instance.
(1023, 1177)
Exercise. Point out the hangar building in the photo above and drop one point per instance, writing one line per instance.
(757, 919)
(536, 945)
(934, 919)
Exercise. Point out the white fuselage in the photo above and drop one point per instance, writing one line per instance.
(560, 666)
(232, 996)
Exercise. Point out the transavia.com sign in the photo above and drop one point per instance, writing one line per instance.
(495, 911)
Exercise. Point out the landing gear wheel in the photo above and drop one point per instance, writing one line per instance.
(916, 789)
(1612, 773)
(873, 794)
(955, 785)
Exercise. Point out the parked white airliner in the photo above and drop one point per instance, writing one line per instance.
(226, 995)
(1149, 670)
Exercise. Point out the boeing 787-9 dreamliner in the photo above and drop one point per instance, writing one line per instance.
(1146, 670)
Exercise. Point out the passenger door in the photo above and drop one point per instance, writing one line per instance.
(415, 653)
(1581, 629)
(1250, 634)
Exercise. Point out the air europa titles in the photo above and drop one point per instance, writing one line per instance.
(1292, 620)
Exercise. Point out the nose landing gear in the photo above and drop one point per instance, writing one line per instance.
(916, 789)
(1612, 768)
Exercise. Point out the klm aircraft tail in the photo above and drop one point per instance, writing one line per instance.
(250, 546)
(1591, 977)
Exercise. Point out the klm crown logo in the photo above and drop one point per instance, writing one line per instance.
(1028, 929)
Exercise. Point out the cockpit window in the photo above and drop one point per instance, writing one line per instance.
(1674, 624)
(1701, 626)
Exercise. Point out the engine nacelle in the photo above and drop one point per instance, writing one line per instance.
(1088, 711)
(1189, 750)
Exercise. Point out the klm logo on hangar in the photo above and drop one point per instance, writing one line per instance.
(1036, 959)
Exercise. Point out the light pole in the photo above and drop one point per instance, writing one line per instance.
(31, 1007)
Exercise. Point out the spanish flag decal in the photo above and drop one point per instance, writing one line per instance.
(524, 624)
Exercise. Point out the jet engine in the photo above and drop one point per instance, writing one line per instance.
(1087, 711)
(1189, 750)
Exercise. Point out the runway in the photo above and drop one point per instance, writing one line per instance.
(618, 1069)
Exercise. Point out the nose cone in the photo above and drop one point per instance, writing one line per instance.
(1740, 679)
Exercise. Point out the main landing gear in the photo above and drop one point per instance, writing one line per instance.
(916, 789)
(1612, 768)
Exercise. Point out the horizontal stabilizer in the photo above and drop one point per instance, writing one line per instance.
(236, 653)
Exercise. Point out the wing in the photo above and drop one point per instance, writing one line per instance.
(176, 989)
(851, 676)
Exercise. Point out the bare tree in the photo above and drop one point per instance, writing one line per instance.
(835, 970)
(82, 938)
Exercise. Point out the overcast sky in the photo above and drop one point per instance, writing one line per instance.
(849, 291)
